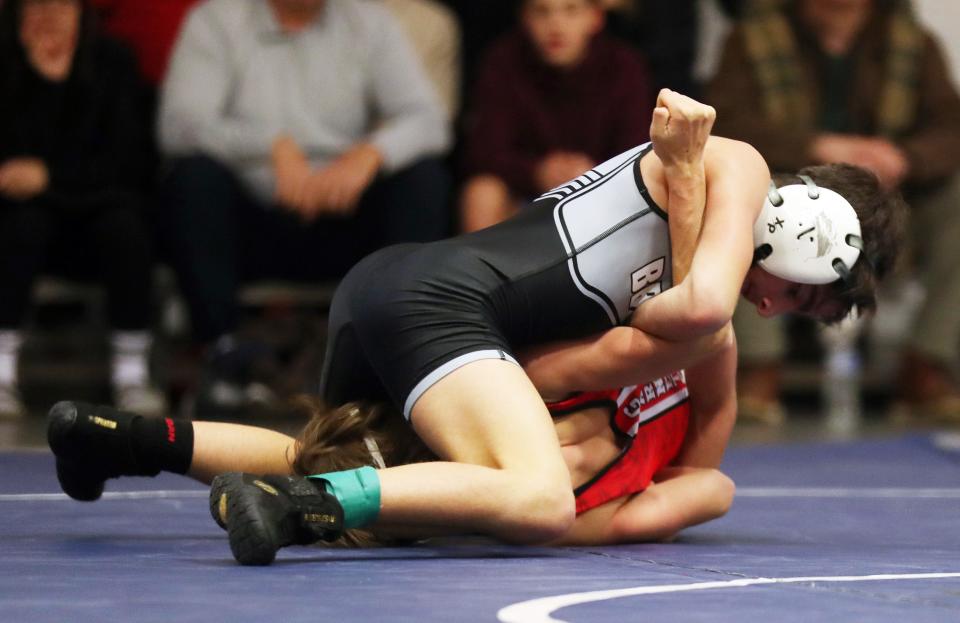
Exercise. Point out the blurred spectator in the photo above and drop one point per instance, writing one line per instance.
(554, 98)
(856, 81)
(671, 36)
(432, 29)
(665, 33)
(70, 155)
(480, 24)
(304, 134)
(149, 27)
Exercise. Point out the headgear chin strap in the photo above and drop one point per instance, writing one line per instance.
(807, 234)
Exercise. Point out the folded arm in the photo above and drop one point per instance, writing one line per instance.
(621, 356)
(713, 408)
(692, 490)
(736, 180)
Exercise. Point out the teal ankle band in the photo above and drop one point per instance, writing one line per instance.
(358, 491)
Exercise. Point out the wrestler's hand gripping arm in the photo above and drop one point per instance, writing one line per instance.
(626, 355)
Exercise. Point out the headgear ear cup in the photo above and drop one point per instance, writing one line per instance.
(807, 234)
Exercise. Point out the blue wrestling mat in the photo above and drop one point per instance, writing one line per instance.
(865, 531)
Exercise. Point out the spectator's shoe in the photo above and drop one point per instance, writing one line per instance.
(758, 395)
(928, 393)
(760, 411)
(91, 444)
(228, 387)
(264, 513)
(141, 399)
(11, 405)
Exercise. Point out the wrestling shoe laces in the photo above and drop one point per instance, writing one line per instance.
(91, 444)
(264, 513)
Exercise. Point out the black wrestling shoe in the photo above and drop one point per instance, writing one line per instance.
(264, 513)
(91, 443)
(218, 501)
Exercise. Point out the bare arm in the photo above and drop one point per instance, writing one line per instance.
(679, 132)
(625, 355)
(621, 356)
(690, 320)
(693, 490)
(736, 182)
(713, 408)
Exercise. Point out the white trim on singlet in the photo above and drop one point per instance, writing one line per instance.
(661, 407)
(568, 187)
(572, 190)
(624, 394)
(574, 193)
(438, 373)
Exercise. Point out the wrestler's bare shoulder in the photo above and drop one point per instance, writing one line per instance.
(724, 154)
(723, 157)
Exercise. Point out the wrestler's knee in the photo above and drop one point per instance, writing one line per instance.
(725, 491)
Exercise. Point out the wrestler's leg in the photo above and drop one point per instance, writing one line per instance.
(504, 475)
(220, 447)
(94, 443)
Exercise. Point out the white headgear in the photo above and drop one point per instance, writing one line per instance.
(807, 234)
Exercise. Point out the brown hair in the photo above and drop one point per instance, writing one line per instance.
(335, 440)
(883, 217)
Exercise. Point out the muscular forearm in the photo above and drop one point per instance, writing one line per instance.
(621, 356)
(680, 132)
(667, 317)
(736, 182)
(686, 198)
(713, 406)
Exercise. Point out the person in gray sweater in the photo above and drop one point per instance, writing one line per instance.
(301, 135)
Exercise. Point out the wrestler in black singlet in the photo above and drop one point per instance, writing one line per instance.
(576, 262)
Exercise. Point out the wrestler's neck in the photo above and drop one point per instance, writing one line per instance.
(836, 26)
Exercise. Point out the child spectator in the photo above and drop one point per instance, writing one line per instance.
(70, 165)
(553, 98)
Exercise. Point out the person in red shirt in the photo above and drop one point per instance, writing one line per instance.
(553, 98)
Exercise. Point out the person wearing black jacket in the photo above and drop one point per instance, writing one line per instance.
(72, 160)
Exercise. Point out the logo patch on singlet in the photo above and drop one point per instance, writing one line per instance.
(646, 282)
(641, 403)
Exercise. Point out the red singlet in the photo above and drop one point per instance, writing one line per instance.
(654, 419)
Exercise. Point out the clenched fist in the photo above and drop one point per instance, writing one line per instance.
(680, 128)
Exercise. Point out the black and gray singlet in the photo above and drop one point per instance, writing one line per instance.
(576, 262)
